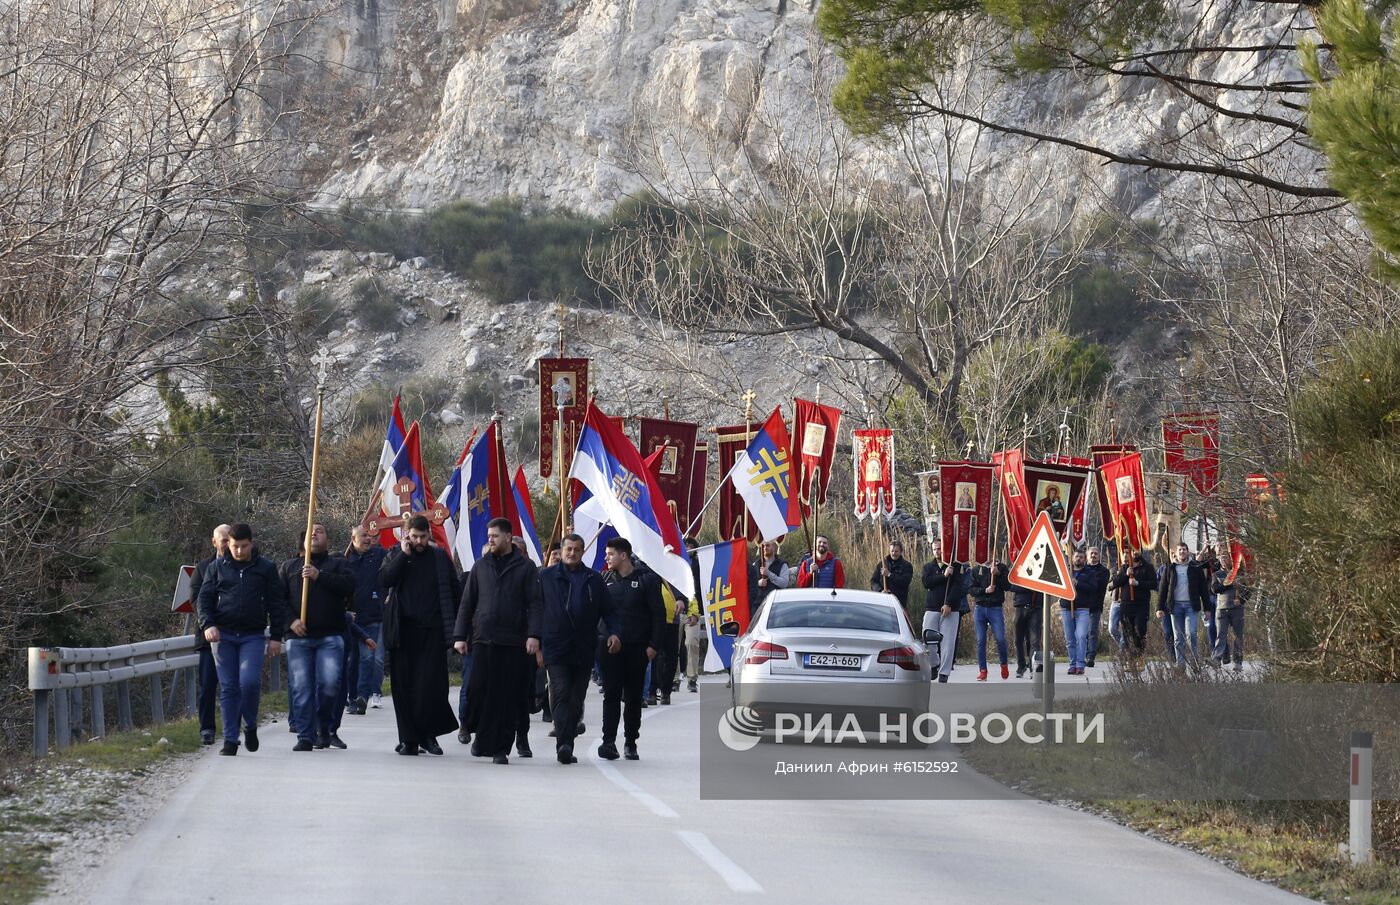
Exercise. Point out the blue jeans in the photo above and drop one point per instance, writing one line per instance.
(371, 677)
(1183, 628)
(239, 662)
(1095, 622)
(313, 673)
(1076, 624)
(994, 616)
(1115, 623)
(1227, 621)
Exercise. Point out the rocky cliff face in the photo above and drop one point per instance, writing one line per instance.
(428, 101)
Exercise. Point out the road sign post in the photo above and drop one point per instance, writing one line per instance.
(1041, 566)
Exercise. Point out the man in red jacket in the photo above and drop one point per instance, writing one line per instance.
(821, 568)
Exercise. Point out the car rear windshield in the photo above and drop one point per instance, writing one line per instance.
(864, 617)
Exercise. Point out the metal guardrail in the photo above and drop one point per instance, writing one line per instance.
(67, 677)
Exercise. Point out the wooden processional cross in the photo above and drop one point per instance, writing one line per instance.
(436, 514)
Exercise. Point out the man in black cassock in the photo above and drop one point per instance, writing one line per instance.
(422, 586)
(499, 597)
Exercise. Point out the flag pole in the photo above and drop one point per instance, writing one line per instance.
(748, 398)
(323, 360)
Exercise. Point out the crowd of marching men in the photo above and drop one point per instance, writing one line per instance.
(536, 638)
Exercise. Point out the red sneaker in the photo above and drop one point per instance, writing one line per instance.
(982, 675)
(1005, 673)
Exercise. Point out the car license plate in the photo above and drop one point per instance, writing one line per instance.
(831, 661)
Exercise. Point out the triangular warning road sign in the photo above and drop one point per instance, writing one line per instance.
(1041, 565)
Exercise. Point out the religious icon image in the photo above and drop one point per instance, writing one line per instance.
(966, 497)
(1193, 447)
(874, 469)
(669, 459)
(1124, 488)
(1051, 496)
(1013, 486)
(568, 381)
(813, 439)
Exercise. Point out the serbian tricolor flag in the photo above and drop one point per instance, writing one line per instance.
(484, 494)
(1015, 500)
(525, 515)
(762, 477)
(1191, 445)
(393, 438)
(813, 452)
(610, 469)
(872, 452)
(1127, 501)
(724, 584)
(403, 491)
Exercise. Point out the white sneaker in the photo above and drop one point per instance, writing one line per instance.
(375, 701)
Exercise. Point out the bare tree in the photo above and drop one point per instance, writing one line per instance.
(896, 264)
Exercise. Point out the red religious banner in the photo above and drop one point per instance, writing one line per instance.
(570, 376)
(1057, 490)
(814, 429)
(699, 470)
(1127, 501)
(873, 457)
(1015, 502)
(1099, 454)
(675, 440)
(965, 489)
(732, 443)
(1191, 441)
(1079, 530)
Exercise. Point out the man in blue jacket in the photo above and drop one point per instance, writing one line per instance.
(1078, 615)
(240, 598)
(574, 598)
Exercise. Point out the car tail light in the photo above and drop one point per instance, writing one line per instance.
(903, 657)
(762, 652)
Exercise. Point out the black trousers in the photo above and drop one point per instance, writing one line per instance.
(495, 694)
(568, 688)
(624, 674)
(663, 671)
(1133, 618)
(1027, 635)
(208, 689)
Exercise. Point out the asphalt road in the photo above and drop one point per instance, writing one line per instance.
(366, 825)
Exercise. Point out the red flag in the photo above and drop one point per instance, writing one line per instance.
(1078, 521)
(1127, 499)
(675, 440)
(732, 443)
(1101, 453)
(965, 510)
(872, 452)
(699, 472)
(1191, 441)
(573, 372)
(1056, 489)
(1015, 499)
(814, 429)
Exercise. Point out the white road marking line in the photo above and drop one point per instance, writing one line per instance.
(654, 804)
(732, 874)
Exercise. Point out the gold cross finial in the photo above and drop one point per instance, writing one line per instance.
(748, 397)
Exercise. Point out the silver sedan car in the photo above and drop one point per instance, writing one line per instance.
(852, 651)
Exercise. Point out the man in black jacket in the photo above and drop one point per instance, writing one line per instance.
(499, 598)
(316, 652)
(987, 586)
(572, 600)
(634, 618)
(944, 598)
(240, 599)
(365, 559)
(208, 674)
(1133, 586)
(423, 589)
(1096, 599)
(1183, 590)
(894, 574)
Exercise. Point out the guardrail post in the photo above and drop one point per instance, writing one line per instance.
(99, 713)
(157, 705)
(60, 719)
(75, 715)
(191, 698)
(124, 723)
(41, 722)
(1360, 846)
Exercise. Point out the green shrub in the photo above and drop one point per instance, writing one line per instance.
(478, 395)
(376, 305)
(315, 312)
